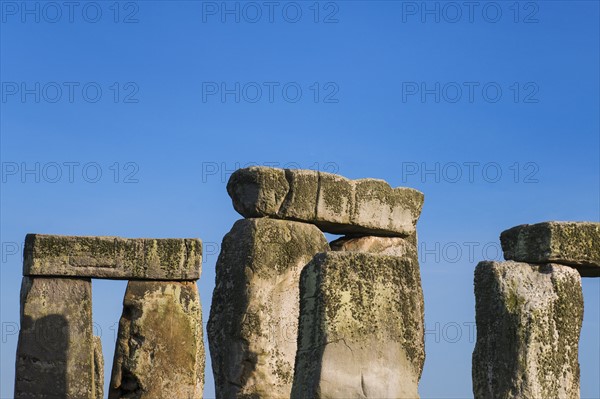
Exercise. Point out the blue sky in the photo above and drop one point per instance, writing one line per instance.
(126, 118)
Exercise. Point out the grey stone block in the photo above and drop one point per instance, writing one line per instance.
(528, 324)
(254, 314)
(112, 257)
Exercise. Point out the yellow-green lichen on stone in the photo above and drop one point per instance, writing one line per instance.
(159, 351)
(112, 257)
(333, 203)
(299, 203)
(528, 324)
(361, 330)
(254, 313)
(575, 244)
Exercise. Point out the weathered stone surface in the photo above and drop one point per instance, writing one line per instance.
(299, 203)
(112, 257)
(335, 203)
(159, 351)
(55, 349)
(98, 366)
(395, 246)
(378, 207)
(528, 323)
(331, 202)
(575, 244)
(361, 331)
(248, 185)
(254, 314)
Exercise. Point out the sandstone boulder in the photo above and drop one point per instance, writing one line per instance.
(360, 333)
(112, 257)
(395, 246)
(528, 323)
(159, 351)
(254, 314)
(55, 351)
(331, 202)
(575, 244)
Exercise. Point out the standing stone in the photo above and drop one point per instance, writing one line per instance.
(112, 257)
(361, 332)
(254, 314)
(528, 323)
(98, 365)
(396, 246)
(575, 244)
(333, 203)
(55, 348)
(159, 351)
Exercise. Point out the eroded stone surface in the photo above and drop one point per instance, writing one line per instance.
(396, 246)
(55, 348)
(331, 202)
(254, 314)
(98, 365)
(248, 187)
(361, 331)
(112, 257)
(159, 351)
(575, 244)
(299, 203)
(528, 324)
(335, 203)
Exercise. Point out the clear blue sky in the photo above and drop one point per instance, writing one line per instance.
(492, 112)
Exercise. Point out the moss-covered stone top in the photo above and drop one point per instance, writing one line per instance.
(333, 203)
(529, 318)
(358, 296)
(574, 244)
(113, 257)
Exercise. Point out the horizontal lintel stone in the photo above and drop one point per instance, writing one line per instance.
(333, 203)
(575, 244)
(112, 257)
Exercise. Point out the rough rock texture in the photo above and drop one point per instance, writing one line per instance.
(575, 244)
(98, 365)
(333, 203)
(112, 257)
(254, 314)
(258, 191)
(395, 246)
(528, 323)
(361, 331)
(55, 348)
(159, 351)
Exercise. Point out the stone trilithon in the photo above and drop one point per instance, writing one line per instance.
(293, 317)
(159, 352)
(529, 313)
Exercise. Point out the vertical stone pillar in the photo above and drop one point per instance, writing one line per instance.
(160, 349)
(254, 314)
(528, 323)
(361, 328)
(98, 369)
(56, 349)
(160, 352)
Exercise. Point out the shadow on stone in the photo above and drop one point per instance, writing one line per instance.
(41, 367)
